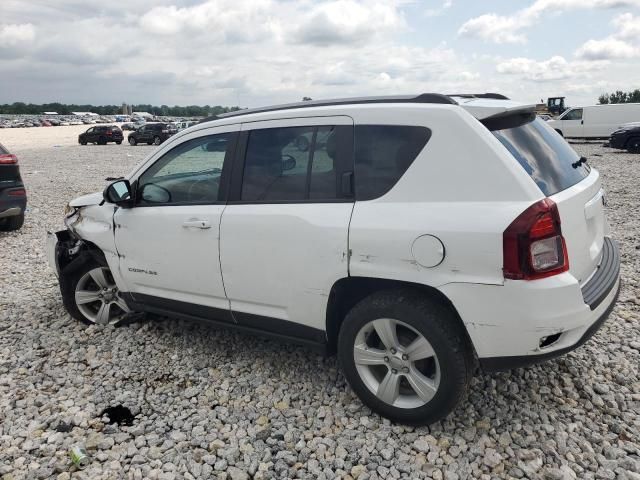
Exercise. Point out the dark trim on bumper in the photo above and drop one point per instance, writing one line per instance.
(282, 330)
(499, 364)
(598, 287)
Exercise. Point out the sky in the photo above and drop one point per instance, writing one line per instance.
(258, 52)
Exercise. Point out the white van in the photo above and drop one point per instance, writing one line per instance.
(595, 121)
(413, 235)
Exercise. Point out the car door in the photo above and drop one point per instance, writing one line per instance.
(89, 135)
(284, 233)
(572, 123)
(168, 242)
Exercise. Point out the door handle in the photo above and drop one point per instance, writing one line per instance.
(203, 224)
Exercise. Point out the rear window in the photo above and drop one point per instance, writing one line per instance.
(544, 155)
(382, 154)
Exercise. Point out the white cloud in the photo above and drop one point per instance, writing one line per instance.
(495, 28)
(16, 34)
(606, 49)
(617, 46)
(347, 21)
(628, 26)
(435, 12)
(555, 68)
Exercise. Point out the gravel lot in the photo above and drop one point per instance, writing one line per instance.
(214, 404)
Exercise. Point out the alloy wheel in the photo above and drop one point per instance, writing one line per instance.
(98, 297)
(396, 363)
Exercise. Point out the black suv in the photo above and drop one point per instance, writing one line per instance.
(627, 137)
(101, 134)
(13, 196)
(152, 133)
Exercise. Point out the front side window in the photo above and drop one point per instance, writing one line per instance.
(383, 153)
(291, 164)
(188, 174)
(575, 114)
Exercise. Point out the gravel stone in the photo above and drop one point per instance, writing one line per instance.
(211, 403)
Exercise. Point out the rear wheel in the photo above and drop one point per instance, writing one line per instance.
(90, 294)
(132, 141)
(157, 140)
(405, 356)
(633, 145)
(10, 224)
(118, 142)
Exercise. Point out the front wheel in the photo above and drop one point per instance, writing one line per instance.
(118, 142)
(633, 145)
(405, 356)
(90, 294)
(132, 141)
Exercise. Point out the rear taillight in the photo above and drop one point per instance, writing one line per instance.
(18, 192)
(8, 159)
(533, 245)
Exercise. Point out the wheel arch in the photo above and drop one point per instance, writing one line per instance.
(347, 292)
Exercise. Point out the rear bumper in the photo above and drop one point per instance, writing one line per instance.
(11, 206)
(521, 323)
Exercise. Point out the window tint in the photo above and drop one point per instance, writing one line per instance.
(190, 173)
(544, 154)
(382, 154)
(291, 164)
(575, 114)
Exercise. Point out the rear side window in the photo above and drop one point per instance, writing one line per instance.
(382, 154)
(292, 164)
(544, 155)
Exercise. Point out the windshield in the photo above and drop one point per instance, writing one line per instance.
(544, 155)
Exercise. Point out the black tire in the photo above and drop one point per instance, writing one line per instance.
(438, 324)
(132, 141)
(70, 277)
(633, 145)
(157, 140)
(102, 141)
(118, 142)
(83, 142)
(11, 224)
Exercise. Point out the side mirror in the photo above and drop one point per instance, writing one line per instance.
(152, 193)
(119, 192)
(288, 163)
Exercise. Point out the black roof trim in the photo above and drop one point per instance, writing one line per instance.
(422, 98)
(496, 96)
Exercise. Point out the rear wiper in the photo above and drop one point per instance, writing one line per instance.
(579, 162)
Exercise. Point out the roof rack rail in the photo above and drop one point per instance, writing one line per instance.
(422, 98)
(496, 96)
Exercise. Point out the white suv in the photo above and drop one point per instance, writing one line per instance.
(416, 236)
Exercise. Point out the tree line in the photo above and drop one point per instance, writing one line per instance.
(20, 108)
(620, 97)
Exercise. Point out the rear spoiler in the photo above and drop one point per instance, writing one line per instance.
(508, 119)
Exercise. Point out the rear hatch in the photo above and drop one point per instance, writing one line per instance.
(9, 170)
(565, 178)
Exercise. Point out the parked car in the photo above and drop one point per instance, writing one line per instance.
(151, 133)
(627, 137)
(13, 195)
(184, 124)
(411, 238)
(101, 135)
(128, 126)
(595, 121)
